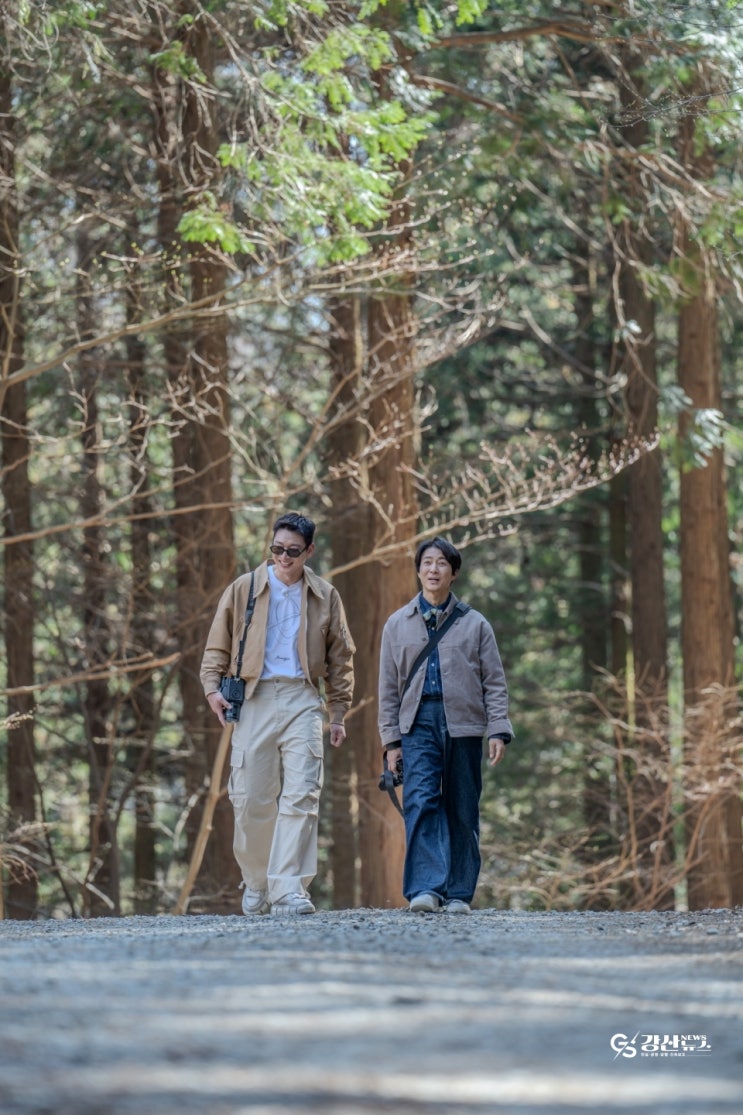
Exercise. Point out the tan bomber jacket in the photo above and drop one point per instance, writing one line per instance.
(325, 645)
(472, 676)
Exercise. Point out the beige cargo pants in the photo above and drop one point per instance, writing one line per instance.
(275, 781)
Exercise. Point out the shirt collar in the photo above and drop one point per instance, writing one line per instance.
(431, 612)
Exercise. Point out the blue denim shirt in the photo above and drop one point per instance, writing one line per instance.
(432, 614)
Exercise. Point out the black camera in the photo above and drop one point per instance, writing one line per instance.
(233, 691)
(395, 773)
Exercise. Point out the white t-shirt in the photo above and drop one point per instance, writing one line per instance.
(281, 659)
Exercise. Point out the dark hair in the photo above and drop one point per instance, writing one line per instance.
(298, 523)
(451, 553)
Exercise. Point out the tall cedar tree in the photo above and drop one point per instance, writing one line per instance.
(101, 894)
(18, 550)
(203, 465)
(711, 733)
(651, 783)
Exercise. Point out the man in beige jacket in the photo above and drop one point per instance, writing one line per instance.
(297, 642)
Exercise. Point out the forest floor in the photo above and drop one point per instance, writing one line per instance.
(363, 1011)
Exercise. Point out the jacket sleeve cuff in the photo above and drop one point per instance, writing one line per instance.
(210, 682)
(500, 728)
(337, 713)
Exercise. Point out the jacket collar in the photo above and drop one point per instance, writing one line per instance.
(414, 605)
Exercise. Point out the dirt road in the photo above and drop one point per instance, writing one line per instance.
(383, 1011)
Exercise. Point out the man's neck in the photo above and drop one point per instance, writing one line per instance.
(287, 577)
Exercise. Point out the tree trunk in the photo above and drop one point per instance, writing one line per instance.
(208, 563)
(619, 604)
(168, 147)
(592, 602)
(101, 896)
(374, 506)
(350, 534)
(391, 331)
(22, 889)
(713, 807)
(651, 785)
(712, 790)
(143, 636)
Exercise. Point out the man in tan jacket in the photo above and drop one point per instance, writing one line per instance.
(297, 643)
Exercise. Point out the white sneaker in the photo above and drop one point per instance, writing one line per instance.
(255, 902)
(425, 904)
(293, 904)
(457, 906)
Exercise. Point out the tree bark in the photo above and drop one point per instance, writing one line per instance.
(22, 888)
(208, 563)
(651, 784)
(712, 785)
(391, 335)
(350, 536)
(374, 505)
(143, 636)
(592, 601)
(102, 884)
(373, 454)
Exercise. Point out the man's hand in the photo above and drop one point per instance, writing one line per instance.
(337, 735)
(394, 754)
(218, 704)
(497, 749)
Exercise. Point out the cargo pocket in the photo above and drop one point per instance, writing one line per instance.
(315, 757)
(237, 788)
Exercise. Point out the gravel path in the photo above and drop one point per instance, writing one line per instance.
(373, 1011)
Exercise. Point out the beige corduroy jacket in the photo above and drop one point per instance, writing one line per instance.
(325, 645)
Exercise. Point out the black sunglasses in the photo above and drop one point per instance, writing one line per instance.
(290, 551)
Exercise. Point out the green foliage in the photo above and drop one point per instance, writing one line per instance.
(722, 227)
(368, 45)
(81, 17)
(75, 14)
(206, 223)
(334, 159)
(470, 10)
(316, 120)
(704, 429)
(176, 60)
(428, 15)
(278, 13)
(321, 205)
(323, 168)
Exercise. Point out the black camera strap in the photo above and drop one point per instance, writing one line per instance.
(460, 609)
(248, 616)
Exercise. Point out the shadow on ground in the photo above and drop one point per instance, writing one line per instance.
(365, 1010)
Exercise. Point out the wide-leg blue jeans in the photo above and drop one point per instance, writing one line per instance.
(441, 803)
